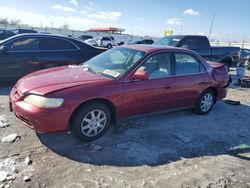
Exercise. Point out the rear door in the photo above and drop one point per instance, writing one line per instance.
(58, 52)
(191, 78)
(21, 58)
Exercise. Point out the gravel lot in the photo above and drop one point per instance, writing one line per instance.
(169, 149)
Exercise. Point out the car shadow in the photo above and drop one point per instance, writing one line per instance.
(161, 138)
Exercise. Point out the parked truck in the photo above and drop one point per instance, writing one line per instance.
(229, 56)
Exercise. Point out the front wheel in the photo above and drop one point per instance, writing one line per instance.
(91, 121)
(205, 102)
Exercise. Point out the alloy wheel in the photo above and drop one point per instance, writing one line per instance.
(93, 123)
(206, 102)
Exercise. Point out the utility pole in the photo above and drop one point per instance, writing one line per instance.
(243, 41)
(181, 29)
(211, 27)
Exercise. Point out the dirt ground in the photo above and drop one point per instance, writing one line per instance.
(173, 149)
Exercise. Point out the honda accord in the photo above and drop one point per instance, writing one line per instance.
(124, 81)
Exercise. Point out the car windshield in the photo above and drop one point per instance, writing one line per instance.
(168, 41)
(114, 63)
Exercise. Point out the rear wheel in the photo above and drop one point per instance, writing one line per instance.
(91, 121)
(205, 102)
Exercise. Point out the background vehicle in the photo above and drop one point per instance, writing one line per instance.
(247, 62)
(85, 37)
(144, 41)
(91, 42)
(229, 56)
(26, 53)
(22, 31)
(107, 42)
(118, 83)
(4, 34)
(244, 54)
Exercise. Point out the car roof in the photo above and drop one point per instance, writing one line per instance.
(153, 48)
(181, 36)
(43, 34)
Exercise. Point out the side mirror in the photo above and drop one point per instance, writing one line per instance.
(3, 49)
(140, 75)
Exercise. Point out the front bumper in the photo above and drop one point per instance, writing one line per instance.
(38, 119)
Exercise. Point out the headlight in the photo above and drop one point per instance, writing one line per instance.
(43, 102)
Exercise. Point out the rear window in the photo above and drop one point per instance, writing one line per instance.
(187, 64)
(57, 44)
(190, 44)
(169, 41)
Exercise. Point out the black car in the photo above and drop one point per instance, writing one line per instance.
(144, 41)
(4, 34)
(22, 31)
(26, 53)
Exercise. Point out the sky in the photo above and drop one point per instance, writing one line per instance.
(142, 17)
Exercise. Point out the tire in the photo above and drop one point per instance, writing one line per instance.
(87, 126)
(109, 46)
(200, 106)
(121, 43)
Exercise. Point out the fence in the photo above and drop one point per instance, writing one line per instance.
(65, 31)
(68, 32)
(236, 44)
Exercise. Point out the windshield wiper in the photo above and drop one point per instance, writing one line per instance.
(106, 75)
(91, 70)
(98, 72)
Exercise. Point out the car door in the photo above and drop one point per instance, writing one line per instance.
(153, 94)
(58, 52)
(191, 78)
(21, 57)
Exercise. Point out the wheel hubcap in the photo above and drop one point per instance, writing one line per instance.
(93, 123)
(206, 102)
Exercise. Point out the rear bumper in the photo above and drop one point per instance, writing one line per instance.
(222, 92)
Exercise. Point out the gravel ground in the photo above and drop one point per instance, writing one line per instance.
(168, 149)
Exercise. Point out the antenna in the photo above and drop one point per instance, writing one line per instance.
(211, 27)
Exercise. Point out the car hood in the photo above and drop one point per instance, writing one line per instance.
(54, 79)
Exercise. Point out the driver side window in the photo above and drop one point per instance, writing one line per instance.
(157, 66)
(24, 44)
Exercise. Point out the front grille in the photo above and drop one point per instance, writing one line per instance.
(23, 119)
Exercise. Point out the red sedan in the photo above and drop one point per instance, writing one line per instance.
(121, 82)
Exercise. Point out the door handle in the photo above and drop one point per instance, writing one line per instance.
(202, 83)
